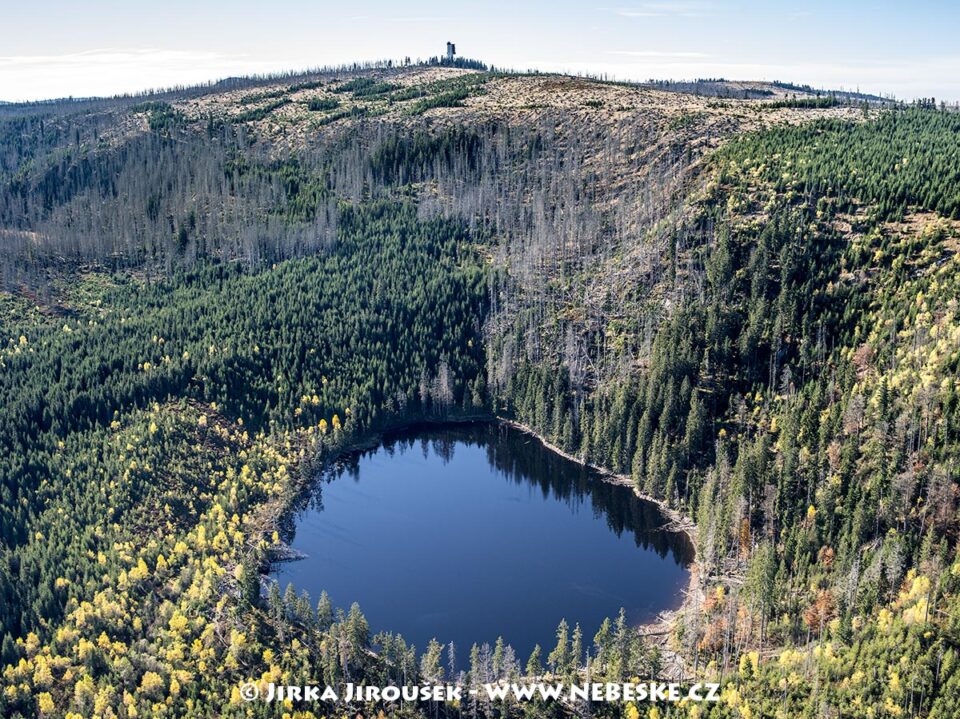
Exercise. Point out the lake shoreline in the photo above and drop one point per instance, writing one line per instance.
(658, 631)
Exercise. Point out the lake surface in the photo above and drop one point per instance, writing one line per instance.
(470, 532)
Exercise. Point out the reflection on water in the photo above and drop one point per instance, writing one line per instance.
(469, 532)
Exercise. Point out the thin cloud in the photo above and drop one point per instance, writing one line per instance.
(668, 9)
(401, 18)
(112, 56)
(108, 71)
(658, 54)
(424, 18)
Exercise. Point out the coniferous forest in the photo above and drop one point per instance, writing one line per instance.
(748, 306)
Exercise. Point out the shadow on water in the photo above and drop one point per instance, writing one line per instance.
(524, 460)
(484, 504)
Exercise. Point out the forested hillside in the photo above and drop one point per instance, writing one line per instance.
(748, 306)
(802, 406)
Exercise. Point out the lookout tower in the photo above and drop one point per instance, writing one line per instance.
(451, 51)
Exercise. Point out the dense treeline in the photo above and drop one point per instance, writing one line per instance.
(322, 340)
(909, 158)
(802, 406)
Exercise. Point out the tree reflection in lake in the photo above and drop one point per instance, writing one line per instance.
(468, 532)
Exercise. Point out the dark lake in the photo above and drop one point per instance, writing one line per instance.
(469, 532)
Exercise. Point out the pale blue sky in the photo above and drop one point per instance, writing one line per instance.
(53, 48)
